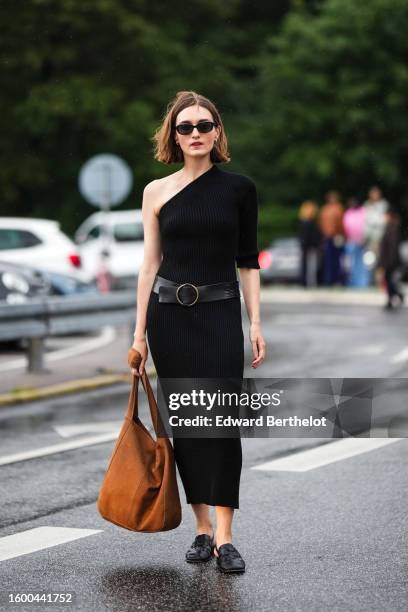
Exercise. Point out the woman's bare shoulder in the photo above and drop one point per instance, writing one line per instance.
(156, 192)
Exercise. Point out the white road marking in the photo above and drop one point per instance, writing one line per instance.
(108, 335)
(285, 295)
(66, 431)
(401, 356)
(304, 319)
(39, 538)
(325, 454)
(61, 447)
(58, 448)
(370, 349)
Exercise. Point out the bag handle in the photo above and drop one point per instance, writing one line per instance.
(134, 359)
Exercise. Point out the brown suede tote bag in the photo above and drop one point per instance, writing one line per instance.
(139, 491)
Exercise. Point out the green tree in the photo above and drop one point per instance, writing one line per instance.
(333, 89)
(80, 78)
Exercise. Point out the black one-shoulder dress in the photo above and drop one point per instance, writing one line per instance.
(207, 229)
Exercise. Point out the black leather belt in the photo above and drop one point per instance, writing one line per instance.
(188, 294)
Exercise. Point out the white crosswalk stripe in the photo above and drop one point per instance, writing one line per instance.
(58, 448)
(313, 458)
(39, 538)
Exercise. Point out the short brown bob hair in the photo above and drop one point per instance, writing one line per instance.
(165, 147)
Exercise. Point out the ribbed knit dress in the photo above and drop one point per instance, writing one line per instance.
(207, 230)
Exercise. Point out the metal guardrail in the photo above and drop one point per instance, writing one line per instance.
(42, 317)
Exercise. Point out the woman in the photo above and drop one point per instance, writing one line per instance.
(203, 220)
(353, 222)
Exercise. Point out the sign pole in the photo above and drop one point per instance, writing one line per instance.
(105, 181)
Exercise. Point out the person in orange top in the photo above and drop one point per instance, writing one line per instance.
(331, 226)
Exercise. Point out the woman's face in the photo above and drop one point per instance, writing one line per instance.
(196, 144)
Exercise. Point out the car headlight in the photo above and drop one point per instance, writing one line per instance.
(14, 282)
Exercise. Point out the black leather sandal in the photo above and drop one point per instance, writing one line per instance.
(229, 560)
(201, 549)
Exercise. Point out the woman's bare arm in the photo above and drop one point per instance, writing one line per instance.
(250, 283)
(152, 256)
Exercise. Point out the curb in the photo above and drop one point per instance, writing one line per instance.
(335, 295)
(71, 386)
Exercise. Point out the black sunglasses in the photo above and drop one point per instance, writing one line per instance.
(203, 127)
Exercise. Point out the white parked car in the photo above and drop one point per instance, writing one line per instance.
(123, 239)
(40, 243)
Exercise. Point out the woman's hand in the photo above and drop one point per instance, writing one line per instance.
(140, 345)
(258, 344)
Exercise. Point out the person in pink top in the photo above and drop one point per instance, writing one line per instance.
(354, 223)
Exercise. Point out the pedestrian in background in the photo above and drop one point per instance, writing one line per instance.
(374, 222)
(389, 258)
(331, 226)
(353, 221)
(310, 239)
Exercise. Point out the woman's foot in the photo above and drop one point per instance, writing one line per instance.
(202, 548)
(229, 560)
(220, 539)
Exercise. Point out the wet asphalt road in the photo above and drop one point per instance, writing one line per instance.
(332, 538)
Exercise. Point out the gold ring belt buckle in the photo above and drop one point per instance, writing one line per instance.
(183, 285)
